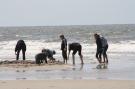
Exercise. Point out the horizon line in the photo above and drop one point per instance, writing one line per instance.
(63, 25)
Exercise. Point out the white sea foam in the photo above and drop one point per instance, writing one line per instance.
(34, 47)
(123, 46)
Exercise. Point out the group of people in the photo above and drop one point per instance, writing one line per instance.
(75, 47)
(102, 46)
(101, 42)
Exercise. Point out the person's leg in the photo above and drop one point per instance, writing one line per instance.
(100, 54)
(80, 54)
(17, 55)
(106, 57)
(104, 54)
(100, 58)
(73, 56)
(64, 54)
(23, 52)
(97, 56)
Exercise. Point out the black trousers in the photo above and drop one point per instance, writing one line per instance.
(17, 55)
(64, 54)
(98, 53)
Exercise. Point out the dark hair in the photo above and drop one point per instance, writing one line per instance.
(54, 52)
(61, 36)
(96, 35)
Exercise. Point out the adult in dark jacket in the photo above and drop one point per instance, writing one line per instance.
(76, 47)
(99, 47)
(64, 48)
(20, 46)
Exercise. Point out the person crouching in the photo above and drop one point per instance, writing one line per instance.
(49, 53)
(46, 53)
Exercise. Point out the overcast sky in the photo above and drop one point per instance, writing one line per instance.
(66, 12)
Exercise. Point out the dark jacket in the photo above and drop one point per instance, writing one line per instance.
(20, 46)
(64, 44)
(99, 43)
(74, 46)
(48, 52)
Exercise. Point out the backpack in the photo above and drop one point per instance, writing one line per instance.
(103, 41)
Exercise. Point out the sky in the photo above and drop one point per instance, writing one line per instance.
(66, 12)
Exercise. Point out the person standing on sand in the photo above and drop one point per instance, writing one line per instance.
(20, 46)
(75, 47)
(64, 48)
(99, 47)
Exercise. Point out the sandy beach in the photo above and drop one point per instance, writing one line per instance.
(67, 84)
(27, 75)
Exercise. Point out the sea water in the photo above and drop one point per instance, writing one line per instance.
(121, 50)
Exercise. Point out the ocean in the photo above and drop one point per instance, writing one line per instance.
(121, 52)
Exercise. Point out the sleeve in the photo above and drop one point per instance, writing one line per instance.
(65, 43)
(16, 48)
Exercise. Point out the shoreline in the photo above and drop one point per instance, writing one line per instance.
(87, 71)
(67, 84)
(27, 64)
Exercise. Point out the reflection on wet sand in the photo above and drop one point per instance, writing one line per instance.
(68, 71)
(21, 71)
(78, 67)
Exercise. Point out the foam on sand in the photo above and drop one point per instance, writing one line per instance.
(27, 63)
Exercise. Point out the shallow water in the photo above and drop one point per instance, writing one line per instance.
(117, 69)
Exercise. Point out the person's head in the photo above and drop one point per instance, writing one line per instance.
(54, 52)
(43, 50)
(96, 35)
(61, 36)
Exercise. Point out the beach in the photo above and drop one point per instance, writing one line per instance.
(118, 74)
(54, 71)
(67, 84)
(67, 44)
(61, 76)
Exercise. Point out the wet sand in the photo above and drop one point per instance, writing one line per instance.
(54, 71)
(68, 84)
(65, 76)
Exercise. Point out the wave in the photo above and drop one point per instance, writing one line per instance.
(35, 46)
